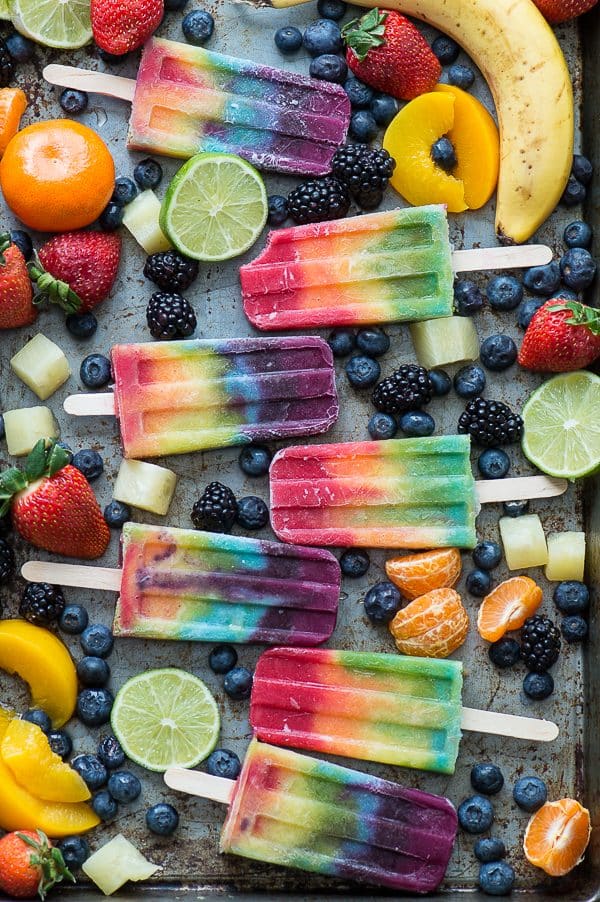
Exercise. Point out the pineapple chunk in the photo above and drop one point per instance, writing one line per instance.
(141, 218)
(524, 541)
(450, 339)
(566, 556)
(42, 366)
(117, 862)
(145, 486)
(27, 426)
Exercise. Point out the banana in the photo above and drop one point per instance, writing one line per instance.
(518, 54)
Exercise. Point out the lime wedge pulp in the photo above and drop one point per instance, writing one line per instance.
(562, 425)
(64, 24)
(215, 207)
(165, 718)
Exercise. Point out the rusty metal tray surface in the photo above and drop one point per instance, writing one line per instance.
(190, 861)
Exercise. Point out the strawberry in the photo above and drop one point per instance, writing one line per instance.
(122, 25)
(53, 506)
(556, 11)
(562, 336)
(30, 865)
(77, 270)
(387, 52)
(16, 295)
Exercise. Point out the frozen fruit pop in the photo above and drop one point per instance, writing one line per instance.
(381, 267)
(178, 396)
(188, 100)
(299, 812)
(191, 585)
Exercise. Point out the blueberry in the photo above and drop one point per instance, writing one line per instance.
(567, 294)
(372, 341)
(443, 154)
(116, 514)
(288, 39)
(383, 108)
(578, 268)
(81, 325)
(538, 685)
(124, 786)
(574, 194)
(252, 512)
(255, 460)
(498, 352)
(504, 653)
(329, 67)
(354, 563)
(478, 583)
(496, 878)
(175, 5)
(359, 94)
(461, 76)
(543, 280)
(341, 342)
(89, 463)
(382, 426)
(382, 602)
(162, 819)
(91, 770)
(73, 619)
(60, 742)
(530, 793)
(148, 174)
(362, 371)
(489, 848)
(20, 48)
(493, 463)
(111, 58)
(515, 508)
(322, 36)
(23, 241)
(111, 217)
(504, 292)
(97, 640)
(469, 381)
(445, 49)
(95, 371)
(417, 423)
(468, 299)
(278, 209)
(39, 718)
(94, 706)
(528, 309)
(73, 102)
(110, 752)
(198, 27)
(578, 234)
(582, 169)
(363, 126)
(571, 597)
(93, 671)
(487, 554)
(238, 683)
(475, 814)
(104, 805)
(125, 191)
(332, 9)
(223, 763)
(574, 628)
(441, 382)
(222, 659)
(75, 850)
(487, 778)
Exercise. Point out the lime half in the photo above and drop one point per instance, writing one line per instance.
(562, 425)
(166, 718)
(64, 24)
(215, 207)
(4, 9)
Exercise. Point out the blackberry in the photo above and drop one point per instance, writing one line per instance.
(408, 388)
(170, 270)
(490, 423)
(318, 200)
(7, 65)
(42, 603)
(7, 561)
(216, 509)
(365, 171)
(170, 316)
(540, 643)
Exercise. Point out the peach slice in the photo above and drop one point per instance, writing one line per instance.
(26, 752)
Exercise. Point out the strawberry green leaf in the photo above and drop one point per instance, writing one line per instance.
(35, 465)
(364, 34)
(582, 315)
(12, 481)
(5, 243)
(57, 458)
(51, 289)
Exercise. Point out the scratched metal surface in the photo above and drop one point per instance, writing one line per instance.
(190, 861)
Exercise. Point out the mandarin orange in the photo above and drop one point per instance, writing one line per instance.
(507, 607)
(557, 836)
(417, 574)
(432, 626)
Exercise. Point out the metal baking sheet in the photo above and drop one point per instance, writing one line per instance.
(190, 861)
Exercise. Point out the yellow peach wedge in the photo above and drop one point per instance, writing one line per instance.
(26, 752)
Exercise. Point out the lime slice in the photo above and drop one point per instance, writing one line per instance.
(64, 24)
(165, 718)
(215, 207)
(562, 425)
(4, 9)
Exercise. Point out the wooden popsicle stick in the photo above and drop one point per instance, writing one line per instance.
(490, 490)
(196, 783)
(508, 725)
(83, 577)
(92, 405)
(483, 258)
(88, 80)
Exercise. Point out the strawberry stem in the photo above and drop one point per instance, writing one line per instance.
(366, 33)
(49, 860)
(53, 290)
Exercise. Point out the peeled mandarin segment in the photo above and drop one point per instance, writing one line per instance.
(433, 626)
(13, 104)
(557, 836)
(26, 752)
(507, 607)
(408, 140)
(417, 574)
